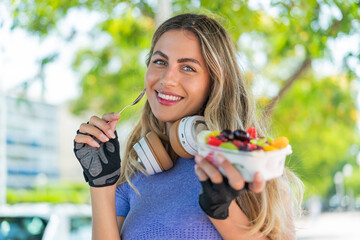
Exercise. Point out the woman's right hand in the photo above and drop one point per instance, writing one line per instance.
(96, 146)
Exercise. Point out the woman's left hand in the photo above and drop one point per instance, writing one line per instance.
(217, 191)
(205, 170)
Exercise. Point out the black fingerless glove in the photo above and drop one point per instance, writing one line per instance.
(215, 198)
(101, 166)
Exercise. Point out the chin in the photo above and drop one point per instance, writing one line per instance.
(167, 118)
(172, 115)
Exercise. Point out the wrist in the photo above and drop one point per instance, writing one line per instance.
(104, 190)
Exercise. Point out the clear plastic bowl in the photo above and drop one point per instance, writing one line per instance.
(269, 164)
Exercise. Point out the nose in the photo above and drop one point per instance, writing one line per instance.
(170, 78)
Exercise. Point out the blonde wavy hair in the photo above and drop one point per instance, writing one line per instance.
(229, 106)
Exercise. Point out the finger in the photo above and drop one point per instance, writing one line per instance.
(200, 173)
(211, 171)
(236, 181)
(258, 184)
(112, 119)
(81, 138)
(111, 116)
(94, 131)
(102, 125)
(113, 124)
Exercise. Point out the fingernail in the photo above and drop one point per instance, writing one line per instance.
(104, 137)
(111, 133)
(96, 144)
(116, 115)
(219, 158)
(197, 158)
(258, 177)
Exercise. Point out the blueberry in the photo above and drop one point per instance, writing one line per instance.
(241, 135)
(245, 148)
(222, 138)
(228, 134)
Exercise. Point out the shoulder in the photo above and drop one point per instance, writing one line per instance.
(134, 180)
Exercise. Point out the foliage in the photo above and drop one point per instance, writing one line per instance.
(352, 183)
(319, 117)
(108, 90)
(59, 193)
(274, 42)
(285, 33)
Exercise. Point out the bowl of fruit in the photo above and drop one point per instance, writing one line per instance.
(246, 151)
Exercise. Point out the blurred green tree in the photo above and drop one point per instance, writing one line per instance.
(319, 116)
(279, 42)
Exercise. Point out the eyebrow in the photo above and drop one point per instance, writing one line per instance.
(181, 60)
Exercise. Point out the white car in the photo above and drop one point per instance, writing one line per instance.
(45, 221)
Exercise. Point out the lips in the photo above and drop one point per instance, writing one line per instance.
(167, 98)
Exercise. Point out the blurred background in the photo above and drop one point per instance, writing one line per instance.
(63, 61)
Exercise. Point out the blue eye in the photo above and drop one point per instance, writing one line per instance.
(159, 62)
(189, 69)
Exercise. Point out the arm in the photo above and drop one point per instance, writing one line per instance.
(104, 220)
(216, 198)
(230, 228)
(120, 221)
(97, 148)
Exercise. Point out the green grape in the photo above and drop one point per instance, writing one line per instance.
(261, 141)
(228, 145)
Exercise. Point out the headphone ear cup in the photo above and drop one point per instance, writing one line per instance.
(141, 152)
(158, 151)
(175, 141)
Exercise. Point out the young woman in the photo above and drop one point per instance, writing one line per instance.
(192, 70)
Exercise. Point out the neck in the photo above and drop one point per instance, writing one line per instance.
(168, 126)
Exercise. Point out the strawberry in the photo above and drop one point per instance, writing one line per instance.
(238, 143)
(252, 146)
(214, 141)
(252, 132)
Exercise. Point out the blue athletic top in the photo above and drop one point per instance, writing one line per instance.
(168, 207)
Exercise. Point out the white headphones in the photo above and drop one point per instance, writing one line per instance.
(183, 133)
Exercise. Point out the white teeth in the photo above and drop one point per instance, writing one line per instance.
(168, 97)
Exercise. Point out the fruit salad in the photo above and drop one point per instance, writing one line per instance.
(248, 152)
(242, 140)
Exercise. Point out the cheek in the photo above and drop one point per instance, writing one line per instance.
(205, 86)
(200, 89)
(150, 78)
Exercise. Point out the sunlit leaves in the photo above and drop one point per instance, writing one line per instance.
(316, 115)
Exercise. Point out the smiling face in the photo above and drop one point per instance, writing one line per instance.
(177, 80)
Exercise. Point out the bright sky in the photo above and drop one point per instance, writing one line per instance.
(20, 52)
